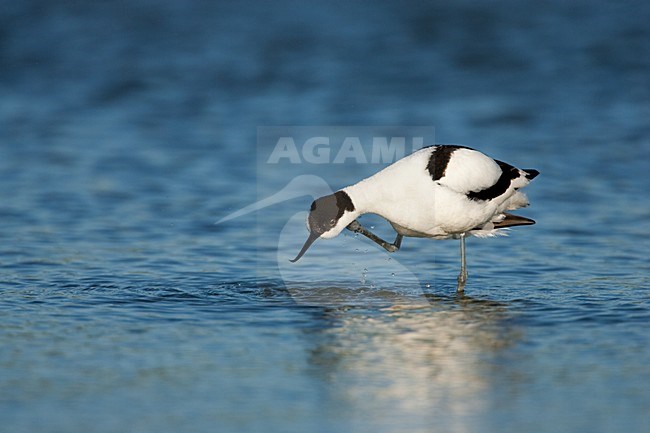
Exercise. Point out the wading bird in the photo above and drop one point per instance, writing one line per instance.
(438, 192)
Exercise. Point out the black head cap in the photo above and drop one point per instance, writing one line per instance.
(324, 215)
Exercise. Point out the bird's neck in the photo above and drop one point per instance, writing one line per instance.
(365, 196)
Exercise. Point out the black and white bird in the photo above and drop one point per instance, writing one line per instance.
(439, 192)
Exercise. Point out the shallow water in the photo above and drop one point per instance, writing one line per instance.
(126, 131)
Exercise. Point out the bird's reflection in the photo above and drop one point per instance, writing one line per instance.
(428, 361)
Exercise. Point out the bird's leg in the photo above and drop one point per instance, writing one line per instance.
(462, 277)
(391, 248)
(398, 241)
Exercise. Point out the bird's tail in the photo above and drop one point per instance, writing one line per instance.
(531, 173)
(511, 220)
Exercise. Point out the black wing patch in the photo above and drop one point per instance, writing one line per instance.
(531, 173)
(508, 173)
(439, 159)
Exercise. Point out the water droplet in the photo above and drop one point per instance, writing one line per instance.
(372, 227)
(427, 285)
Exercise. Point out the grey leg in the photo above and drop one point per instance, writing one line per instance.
(391, 248)
(462, 277)
(398, 241)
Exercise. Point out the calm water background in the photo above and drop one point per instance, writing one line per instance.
(128, 128)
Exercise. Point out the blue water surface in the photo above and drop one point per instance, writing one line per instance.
(128, 128)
